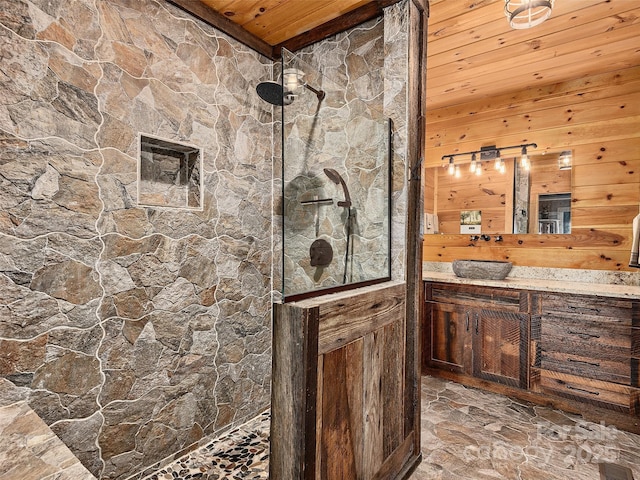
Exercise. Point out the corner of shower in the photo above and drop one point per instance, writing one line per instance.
(336, 156)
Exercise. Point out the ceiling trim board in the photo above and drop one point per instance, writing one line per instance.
(222, 23)
(338, 25)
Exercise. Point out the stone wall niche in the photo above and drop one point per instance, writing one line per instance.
(169, 174)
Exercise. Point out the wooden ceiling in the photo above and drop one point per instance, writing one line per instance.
(269, 25)
(276, 21)
(472, 52)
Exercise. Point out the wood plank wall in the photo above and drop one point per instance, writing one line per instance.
(598, 118)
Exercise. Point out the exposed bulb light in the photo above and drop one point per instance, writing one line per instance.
(487, 153)
(527, 13)
(564, 160)
(458, 174)
(524, 159)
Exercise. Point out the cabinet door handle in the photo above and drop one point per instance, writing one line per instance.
(477, 322)
(586, 336)
(593, 364)
(466, 323)
(570, 387)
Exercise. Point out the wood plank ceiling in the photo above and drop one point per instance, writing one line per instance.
(269, 25)
(472, 51)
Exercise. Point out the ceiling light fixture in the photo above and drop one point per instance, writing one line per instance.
(527, 13)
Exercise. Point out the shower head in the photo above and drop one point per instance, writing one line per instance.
(336, 178)
(273, 93)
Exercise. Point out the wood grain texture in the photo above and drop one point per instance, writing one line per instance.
(374, 408)
(339, 410)
(393, 386)
(501, 346)
(471, 45)
(596, 117)
(401, 463)
(346, 320)
(480, 331)
(506, 299)
(293, 394)
(361, 384)
(449, 344)
(275, 21)
(268, 26)
(574, 349)
(595, 392)
(218, 20)
(419, 11)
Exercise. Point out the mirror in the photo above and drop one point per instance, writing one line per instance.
(521, 199)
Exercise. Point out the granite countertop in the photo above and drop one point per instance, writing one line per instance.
(548, 280)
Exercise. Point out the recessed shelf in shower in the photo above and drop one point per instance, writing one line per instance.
(169, 174)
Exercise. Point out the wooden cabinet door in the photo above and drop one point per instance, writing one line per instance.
(450, 340)
(361, 407)
(500, 346)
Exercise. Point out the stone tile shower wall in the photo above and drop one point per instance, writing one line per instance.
(132, 331)
(364, 73)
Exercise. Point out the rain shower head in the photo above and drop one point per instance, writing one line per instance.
(272, 92)
(275, 94)
(336, 178)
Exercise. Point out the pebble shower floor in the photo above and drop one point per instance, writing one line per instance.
(243, 454)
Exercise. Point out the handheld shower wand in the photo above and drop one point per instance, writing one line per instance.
(336, 178)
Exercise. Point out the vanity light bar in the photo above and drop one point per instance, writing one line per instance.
(488, 153)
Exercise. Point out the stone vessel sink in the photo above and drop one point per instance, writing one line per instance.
(482, 269)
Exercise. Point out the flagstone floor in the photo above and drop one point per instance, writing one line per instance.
(466, 434)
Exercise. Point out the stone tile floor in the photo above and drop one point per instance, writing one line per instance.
(466, 434)
(471, 434)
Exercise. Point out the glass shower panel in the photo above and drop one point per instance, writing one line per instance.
(336, 184)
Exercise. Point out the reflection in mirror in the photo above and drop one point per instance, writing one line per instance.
(554, 213)
(542, 202)
(485, 194)
(535, 198)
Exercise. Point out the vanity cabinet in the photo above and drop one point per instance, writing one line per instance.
(560, 349)
(587, 348)
(477, 331)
